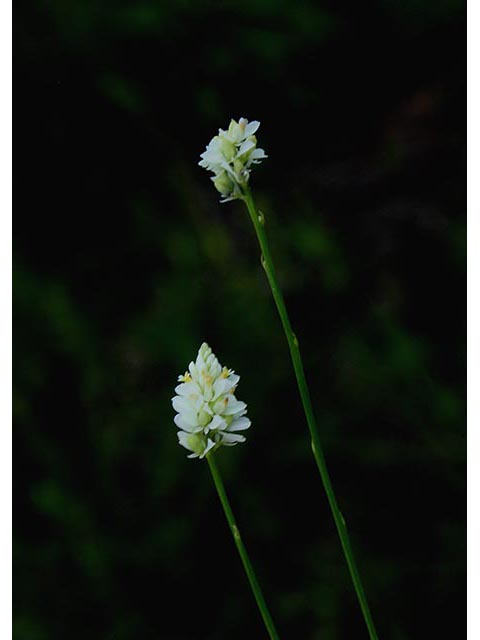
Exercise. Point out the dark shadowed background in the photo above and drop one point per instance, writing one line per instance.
(124, 262)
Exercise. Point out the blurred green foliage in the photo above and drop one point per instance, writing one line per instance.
(125, 262)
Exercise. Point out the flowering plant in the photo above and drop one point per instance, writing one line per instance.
(230, 156)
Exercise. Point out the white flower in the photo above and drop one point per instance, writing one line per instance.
(230, 156)
(208, 413)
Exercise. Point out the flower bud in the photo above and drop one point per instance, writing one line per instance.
(223, 183)
(227, 147)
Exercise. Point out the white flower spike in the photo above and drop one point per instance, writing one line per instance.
(230, 156)
(208, 413)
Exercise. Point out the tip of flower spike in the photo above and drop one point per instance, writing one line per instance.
(230, 155)
(204, 350)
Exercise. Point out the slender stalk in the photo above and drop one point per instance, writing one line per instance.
(257, 592)
(267, 263)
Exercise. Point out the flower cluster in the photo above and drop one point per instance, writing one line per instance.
(208, 413)
(230, 156)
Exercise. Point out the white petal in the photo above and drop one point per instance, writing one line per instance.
(187, 388)
(251, 127)
(183, 440)
(193, 371)
(239, 424)
(246, 146)
(220, 386)
(183, 405)
(199, 363)
(215, 368)
(257, 156)
(217, 423)
(224, 385)
(208, 392)
(232, 438)
(210, 445)
(188, 412)
(233, 406)
(186, 425)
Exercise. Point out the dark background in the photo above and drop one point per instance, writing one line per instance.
(124, 262)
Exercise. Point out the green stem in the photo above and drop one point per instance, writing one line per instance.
(267, 262)
(257, 592)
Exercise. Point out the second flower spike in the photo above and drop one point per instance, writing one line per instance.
(208, 413)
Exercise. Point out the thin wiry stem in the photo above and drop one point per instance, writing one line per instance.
(267, 263)
(257, 592)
